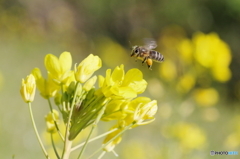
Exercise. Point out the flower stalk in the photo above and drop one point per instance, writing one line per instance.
(36, 131)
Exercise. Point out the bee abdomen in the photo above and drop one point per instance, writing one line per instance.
(156, 56)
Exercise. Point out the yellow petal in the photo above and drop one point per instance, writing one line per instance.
(87, 67)
(118, 74)
(138, 86)
(90, 83)
(125, 92)
(101, 80)
(132, 75)
(52, 65)
(65, 60)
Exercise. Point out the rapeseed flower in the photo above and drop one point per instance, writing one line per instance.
(47, 87)
(28, 88)
(141, 111)
(189, 135)
(213, 53)
(82, 105)
(50, 118)
(206, 96)
(109, 147)
(58, 69)
(87, 67)
(122, 85)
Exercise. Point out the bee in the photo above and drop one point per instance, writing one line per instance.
(146, 54)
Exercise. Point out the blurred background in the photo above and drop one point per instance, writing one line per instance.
(197, 86)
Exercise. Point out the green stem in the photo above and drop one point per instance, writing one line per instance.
(93, 139)
(54, 147)
(86, 142)
(55, 123)
(36, 132)
(68, 143)
(126, 128)
(93, 127)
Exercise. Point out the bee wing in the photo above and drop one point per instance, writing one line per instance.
(150, 43)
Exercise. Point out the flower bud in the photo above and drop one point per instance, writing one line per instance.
(28, 88)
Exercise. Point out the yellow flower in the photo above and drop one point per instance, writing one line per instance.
(115, 110)
(87, 67)
(116, 141)
(59, 69)
(141, 111)
(186, 83)
(189, 136)
(50, 118)
(211, 52)
(123, 85)
(28, 88)
(48, 88)
(185, 48)
(206, 97)
(90, 83)
(100, 80)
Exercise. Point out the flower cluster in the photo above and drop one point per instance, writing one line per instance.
(195, 65)
(82, 105)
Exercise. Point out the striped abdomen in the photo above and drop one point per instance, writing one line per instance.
(156, 56)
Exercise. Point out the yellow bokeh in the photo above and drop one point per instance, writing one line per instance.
(210, 114)
(186, 83)
(213, 53)
(112, 53)
(185, 49)
(189, 136)
(232, 141)
(140, 150)
(168, 70)
(206, 97)
(155, 88)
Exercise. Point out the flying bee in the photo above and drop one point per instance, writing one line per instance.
(146, 54)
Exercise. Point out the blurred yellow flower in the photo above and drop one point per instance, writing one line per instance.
(186, 83)
(233, 139)
(111, 52)
(87, 67)
(144, 149)
(185, 48)
(206, 97)
(116, 141)
(58, 69)
(213, 53)
(210, 114)
(189, 136)
(50, 118)
(28, 88)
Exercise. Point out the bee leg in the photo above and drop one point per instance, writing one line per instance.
(149, 67)
(145, 59)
